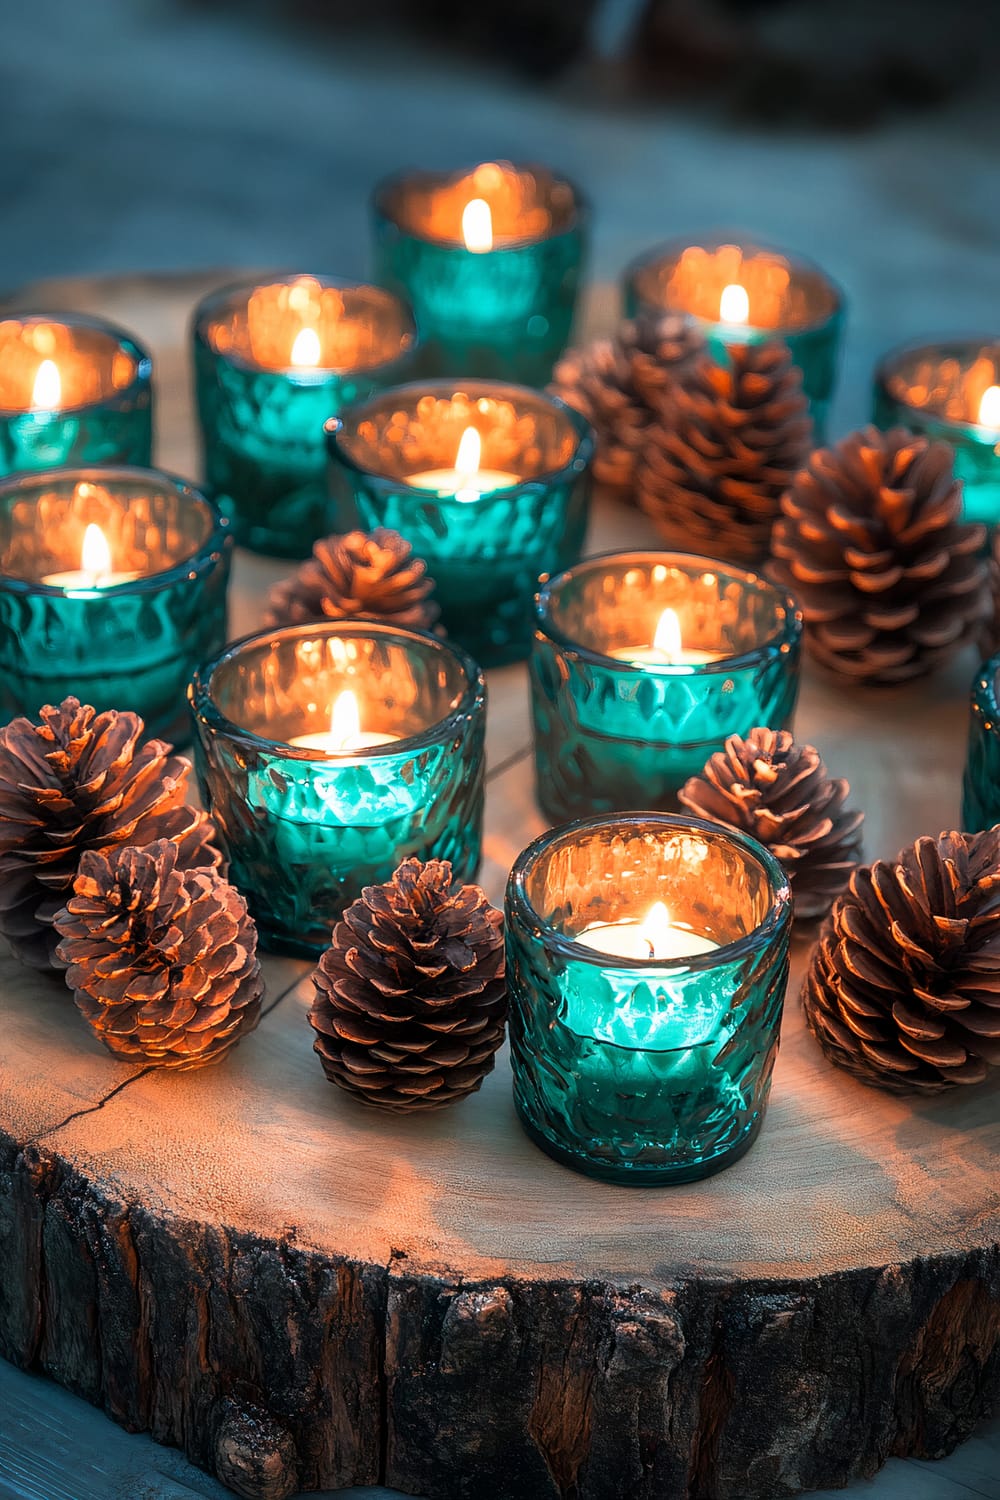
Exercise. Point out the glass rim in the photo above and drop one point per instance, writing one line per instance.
(206, 710)
(673, 248)
(791, 622)
(204, 556)
(125, 341)
(211, 303)
(777, 917)
(932, 346)
(579, 461)
(984, 698)
(394, 181)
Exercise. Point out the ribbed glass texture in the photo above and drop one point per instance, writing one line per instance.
(262, 428)
(104, 414)
(613, 734)
(126, 645)
(940, 390)
(789, 299)
(486, 553)
(981, 782)
(504, 312)
(645, 1071)
(305, 831)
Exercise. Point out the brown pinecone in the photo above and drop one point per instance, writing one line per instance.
(361, 575)
(162, 960)
(79, 780)
(723, 448)
(618, 382)
(903, 988)
(869, 541)
(988, 639)
(411, 999)
(782, 794)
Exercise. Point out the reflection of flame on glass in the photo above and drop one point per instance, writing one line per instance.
(345, 721)
(477, 225)
(734, 304)
(989, 407)
(47, 390)
(95, 555)
(306, 350)
(657, 925)
(667, 639)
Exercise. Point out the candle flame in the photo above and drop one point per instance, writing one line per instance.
(477, 225)
(668, 635)
(345, 721)
(306, 350)
(656, 926)
(47, 390)
(734, 304)
(470, 451)
(989, 407)
(95, 554)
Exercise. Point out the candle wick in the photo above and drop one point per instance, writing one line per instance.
(652, 947)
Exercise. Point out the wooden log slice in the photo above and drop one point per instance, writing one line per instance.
(302, 1293)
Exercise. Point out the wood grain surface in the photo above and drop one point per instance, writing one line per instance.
(436, 1305)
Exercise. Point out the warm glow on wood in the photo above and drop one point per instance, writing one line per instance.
(989, 407)
(477, 225)
(306, 349)
(47, 390)
(734, 304)
(95, 555)
(668, 635)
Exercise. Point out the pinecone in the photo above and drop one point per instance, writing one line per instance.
(724, 446)
(988, 639)
(361, 575)
(889, 579)
(162, 960)
(782, 794)
(411, 999)
(902, 988)
(79, 780)
(618, 382)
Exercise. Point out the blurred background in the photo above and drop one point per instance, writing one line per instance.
(179, 134)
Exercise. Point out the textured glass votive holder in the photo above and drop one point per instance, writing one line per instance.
(950, 390)
(124, 632)
(272, 362)
(619, 731)
(73, 390)
(785, 297)
(981, 782)
(494, 295)
(645, 1070)
(307, 828)
(485, 551)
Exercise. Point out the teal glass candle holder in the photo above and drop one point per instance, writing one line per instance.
(738, 292)
(490, 260)
(112, 589)
(950, 390)
(272, 362)
(642, 665)
(488, 521)
(73, 390)
(647, 959)
(327, 754)
(981, 782)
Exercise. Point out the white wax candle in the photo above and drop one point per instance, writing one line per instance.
(345, 732)
(95, 570)
(655, 936)
(666, 649)
(466, 481)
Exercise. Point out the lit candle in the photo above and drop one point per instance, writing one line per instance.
(667, 649)
(656, 936)
(989, 407)
(477, 226)
(46, 393)
(306, 349)
(95, 570)
(466, 481)
(734, 304)
(345, 732)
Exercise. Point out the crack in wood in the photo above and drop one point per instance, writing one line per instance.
(514, 759)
